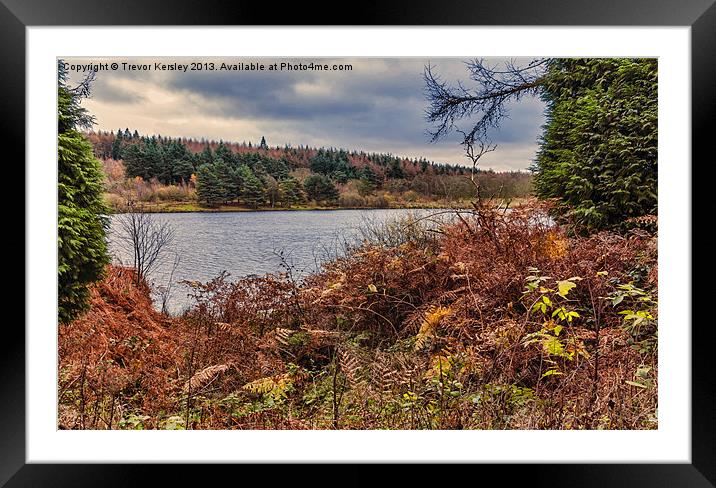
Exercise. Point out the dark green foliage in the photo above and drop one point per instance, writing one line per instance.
(252, 189)
(222, 152)
(291, 192)
(117, 146)
(82, 251)
(183, 169)
(205, 157)
(395, 170)
(323, 162)
(228, 185)
(598, 153)
(333, 163)
(208, 186)
(368, 181)
(320, 188)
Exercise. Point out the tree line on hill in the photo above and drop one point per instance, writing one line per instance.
(256, 176)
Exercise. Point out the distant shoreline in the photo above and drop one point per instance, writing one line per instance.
(190, 207)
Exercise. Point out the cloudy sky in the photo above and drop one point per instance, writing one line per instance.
(378, 106)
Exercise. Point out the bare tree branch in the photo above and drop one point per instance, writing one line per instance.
(495, 87)
(145, 239)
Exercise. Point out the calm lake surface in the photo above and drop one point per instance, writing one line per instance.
(246, 243)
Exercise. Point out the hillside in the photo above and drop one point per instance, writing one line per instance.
(186, 174)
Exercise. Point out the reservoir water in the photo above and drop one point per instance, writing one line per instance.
(246, 243)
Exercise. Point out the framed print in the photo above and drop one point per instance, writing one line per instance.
(393, 241)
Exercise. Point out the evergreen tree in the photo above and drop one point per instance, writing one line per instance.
(153, 164)
(272, 189)
(320, 188)
(226, 180)
(291, 192)
(223, 152)
(208, 186)
(82, 252)
(183, 169)
(206, 156)
(598, 154)
(368, 181)
(263, 144)
(322, 163)
(395, 169)
(252, 189)
(134, 160)
(117, 146)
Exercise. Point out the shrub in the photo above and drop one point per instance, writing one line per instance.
(351, 200)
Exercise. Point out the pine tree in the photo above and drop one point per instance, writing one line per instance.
(395, 169)
(183, 169)
(82, 252)
(291, 192)
(598, 154)
(117, 146)
(206, 156)
(322, 163)
(252, 189)
(223, 152)
(226, 180)
(321, 189)
(263, 144)
(208, 186)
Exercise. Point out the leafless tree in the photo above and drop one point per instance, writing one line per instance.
(146, 240)
(494, 88)
(474, 150)
(164, 292)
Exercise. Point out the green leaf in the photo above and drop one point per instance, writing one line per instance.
(553, 347)
(551, 372)
(634, 383)
(563, 287)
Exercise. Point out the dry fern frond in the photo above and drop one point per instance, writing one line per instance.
(263, 386)
(382, 375)
(205, 376)
(223, 326)
(429, 326)
(351, 365)
(282, 335)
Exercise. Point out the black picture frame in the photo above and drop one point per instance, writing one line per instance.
(700, 15)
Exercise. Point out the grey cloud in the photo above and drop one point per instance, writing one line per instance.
(112, 93)
(379, 106)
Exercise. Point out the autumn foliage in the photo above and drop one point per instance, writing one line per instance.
(495, 320)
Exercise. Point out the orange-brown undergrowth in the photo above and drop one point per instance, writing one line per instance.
(498, 320)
